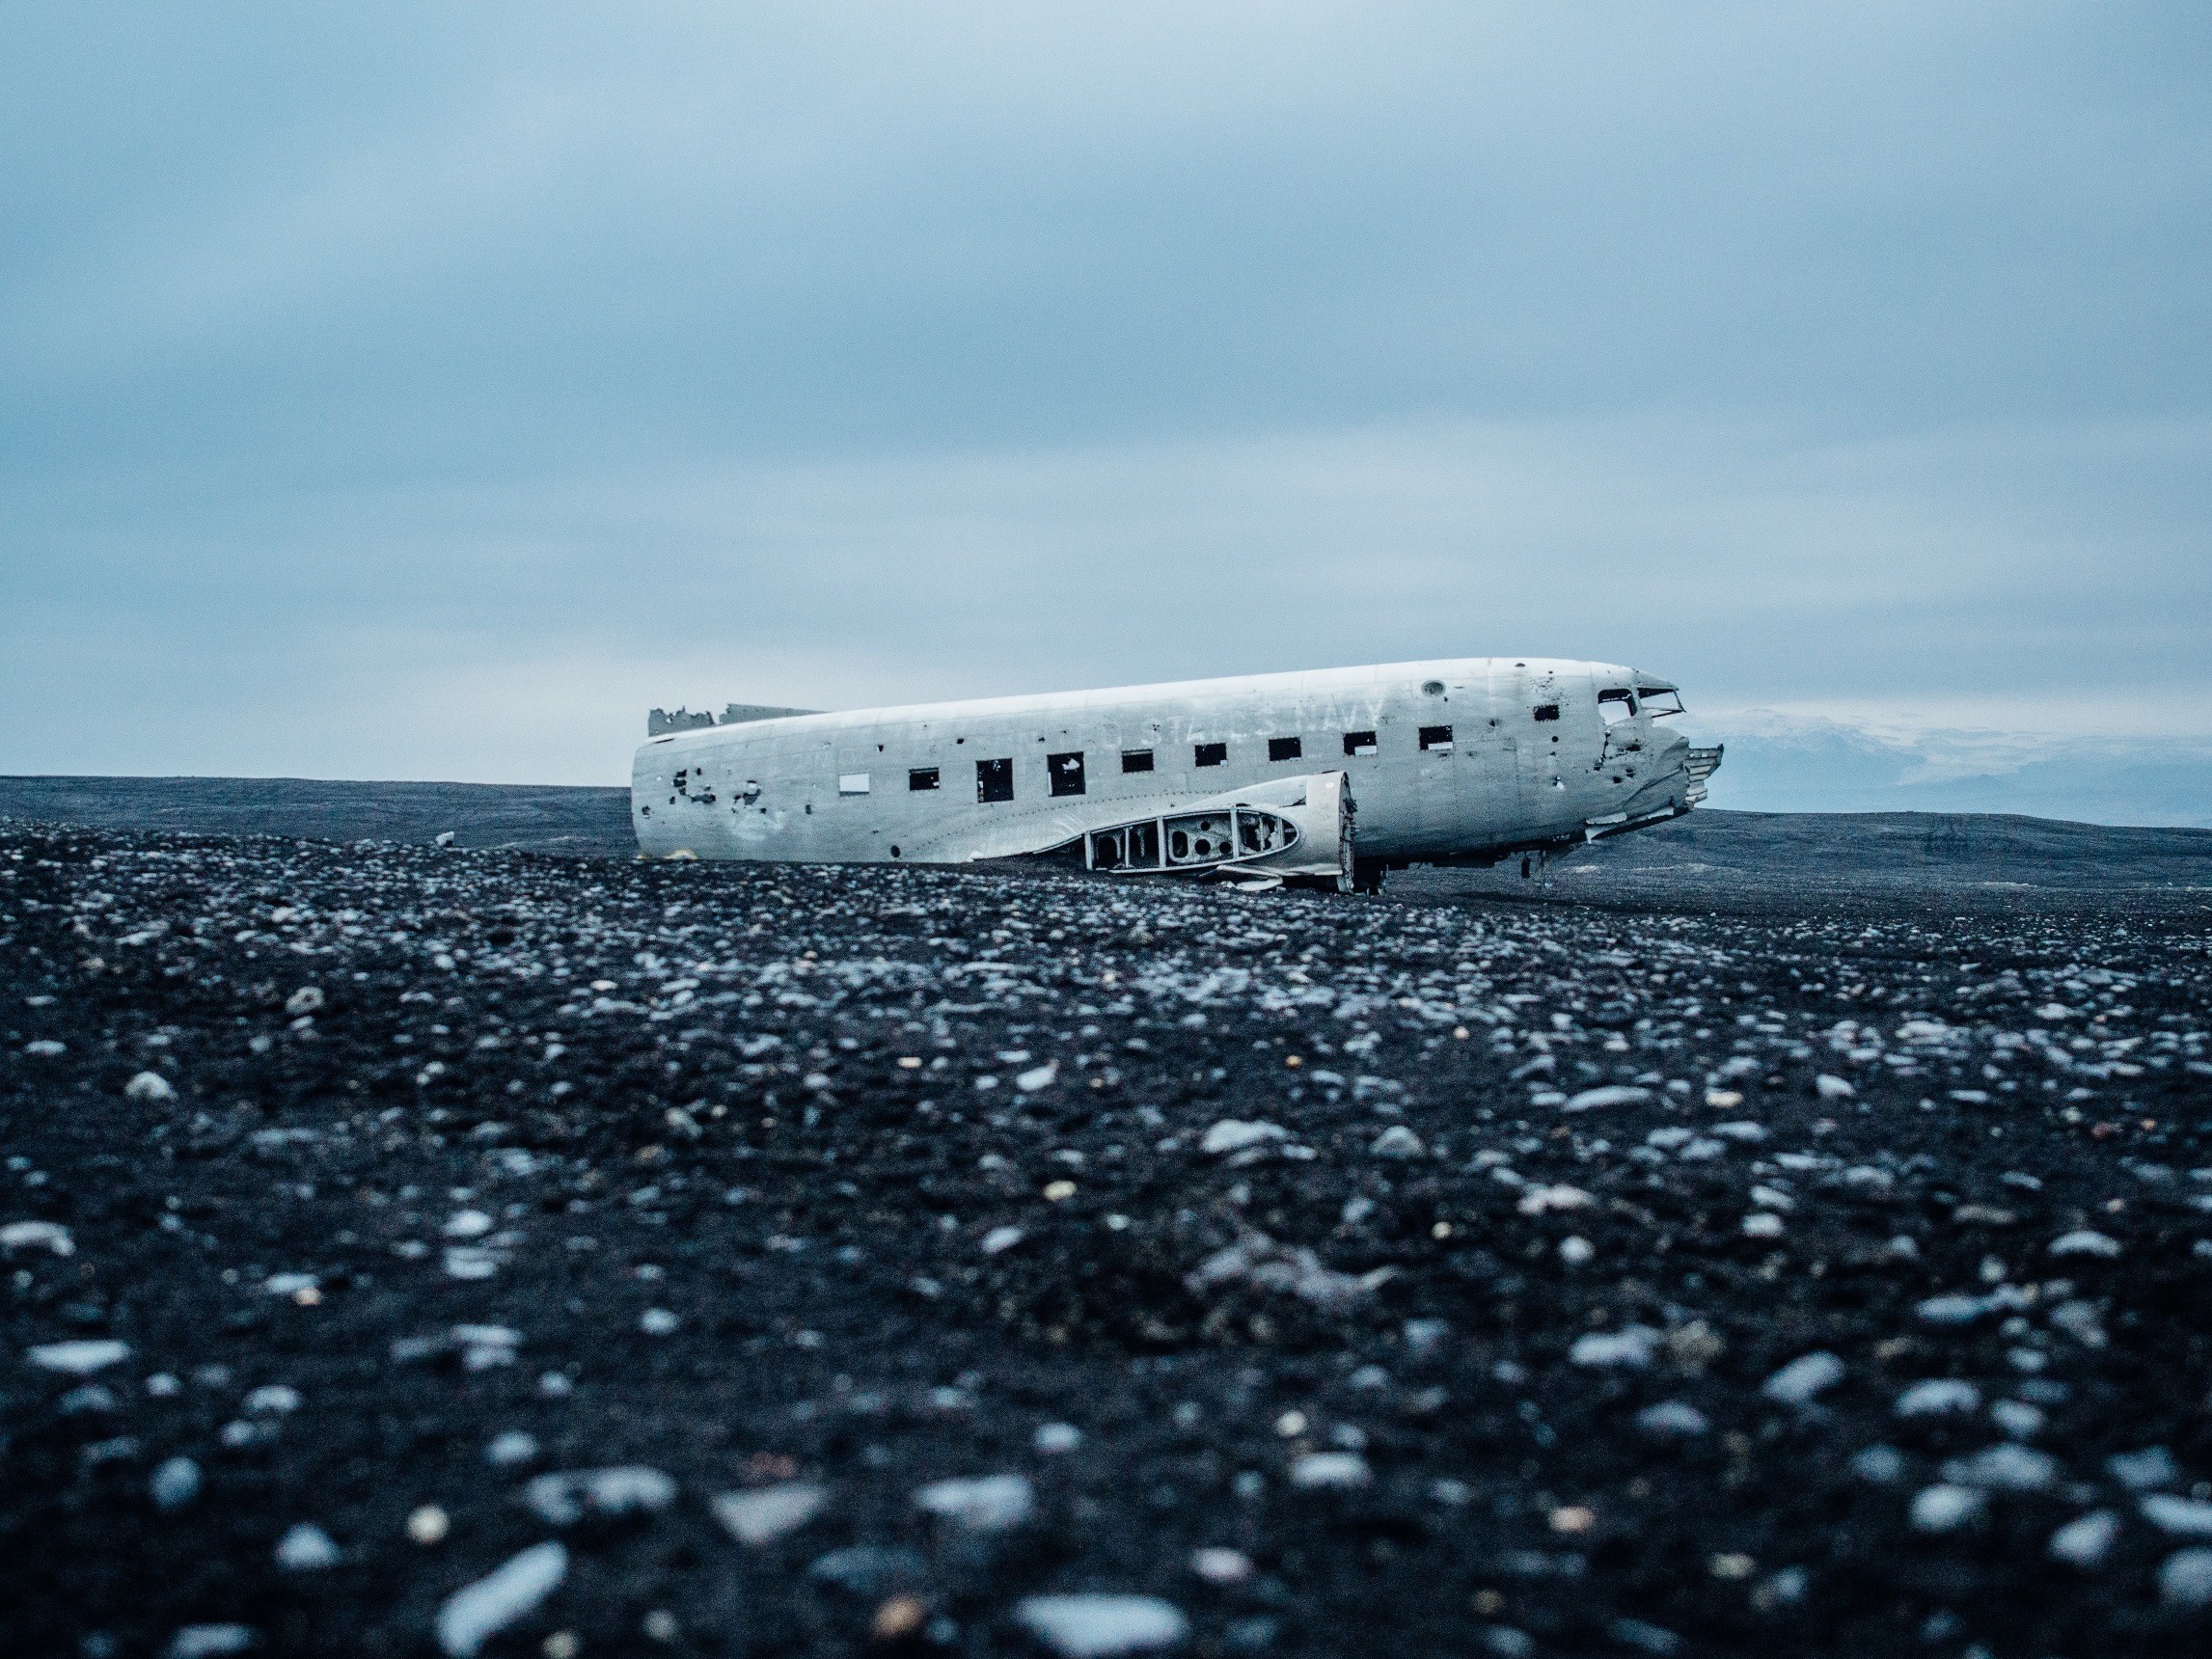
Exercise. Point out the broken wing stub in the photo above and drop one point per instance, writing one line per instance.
(1290, 828)
(1701, 764)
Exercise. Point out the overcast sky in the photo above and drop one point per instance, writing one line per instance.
(426, 395)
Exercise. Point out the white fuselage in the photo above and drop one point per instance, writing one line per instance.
(1459, 759)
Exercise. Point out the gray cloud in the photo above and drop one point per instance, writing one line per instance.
(387, 394)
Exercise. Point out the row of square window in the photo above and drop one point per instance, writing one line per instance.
(995, 779)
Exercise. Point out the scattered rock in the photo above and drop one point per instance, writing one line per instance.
(1397, 1141)
(1631, 1346)
(175, 1483)
(1222, 1565)
(1095, 1626)
(2007, 1468)
(306, 1548)
(2185, 1579)
(1802, 1379)
(2085, 1542)
(1611, 1095)
(1291, 1269)
(1340, 1470)
(47, 1235)
(1945, 1508)
(988, 1504)
(2144, 1471)
(765, 1514)
(2184, 1518)
(79, 1358)
(1937, 1397)
(1672, 1417)
(565, 1497)
(474, 1615)
(1231, 1135)
(210, 1641)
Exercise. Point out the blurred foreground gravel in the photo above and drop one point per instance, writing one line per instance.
(416, 1251)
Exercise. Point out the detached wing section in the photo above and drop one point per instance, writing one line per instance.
(1699, 765)
(1287, 829)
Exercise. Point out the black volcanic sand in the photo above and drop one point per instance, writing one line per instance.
(544, 818)
(786, 1178)
(1765, 861)
(1711, 859)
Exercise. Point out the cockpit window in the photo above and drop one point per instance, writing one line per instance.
(1660, 702)
(1616, 705)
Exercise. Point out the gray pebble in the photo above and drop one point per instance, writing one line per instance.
(1938, 1395)
(1944, 1508)
(209, 1641)
(758, 1517)
(2185, 1579)
(306, 1548)
(2085, 1542)
(1052, 1438)
(989, 1504)
(1883, 1465)
(2005, 1468)
(2185, 1517)
(1671, 1417)
(1093, 1627)
(1330, 1469)
(564, 1498)
(1797, 1382)
(2144, 1471)
(175, 1483)
(472, 1616)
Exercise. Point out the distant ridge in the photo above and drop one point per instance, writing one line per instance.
(543, 818)
(1713, 854)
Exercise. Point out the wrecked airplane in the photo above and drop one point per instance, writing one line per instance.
(1324, 778)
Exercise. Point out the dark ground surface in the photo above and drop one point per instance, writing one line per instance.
(652, 1119)
(1733, 860)
(542, 819)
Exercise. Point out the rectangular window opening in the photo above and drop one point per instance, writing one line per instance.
(1285, 748)
(1438, 737)
(1209, 754)
(1615, 705)
(993, 781)
(1066, 772)
(1547, 711)
(1136, 760)
(922, 778)
(1359, 743)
